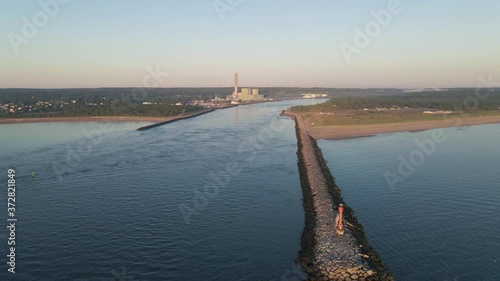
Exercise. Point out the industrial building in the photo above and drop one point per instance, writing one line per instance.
(246, 94)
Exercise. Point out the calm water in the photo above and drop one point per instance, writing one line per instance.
(218, 198)
(211, 198)
(442, 222)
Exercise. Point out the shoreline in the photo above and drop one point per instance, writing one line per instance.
(344, 132)
(325, 255)
(149, 119)
(86, 119)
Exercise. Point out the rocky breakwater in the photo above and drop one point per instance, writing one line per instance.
(326, 255)
(180, 117)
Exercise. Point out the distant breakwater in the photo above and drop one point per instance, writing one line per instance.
(187, 116)
(324, 254)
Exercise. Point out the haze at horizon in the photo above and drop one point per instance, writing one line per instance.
(280, 43)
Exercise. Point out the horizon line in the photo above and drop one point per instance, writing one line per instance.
(231, 87)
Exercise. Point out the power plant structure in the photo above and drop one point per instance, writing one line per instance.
(246, 94)
(235, 93)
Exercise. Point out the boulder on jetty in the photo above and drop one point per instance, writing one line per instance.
(324, 254)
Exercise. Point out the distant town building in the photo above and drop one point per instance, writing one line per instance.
(314, 96)
(438, 112)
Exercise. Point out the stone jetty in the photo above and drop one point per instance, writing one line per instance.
(181, 117)
(325, 255)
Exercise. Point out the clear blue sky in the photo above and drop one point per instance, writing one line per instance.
(91, 43)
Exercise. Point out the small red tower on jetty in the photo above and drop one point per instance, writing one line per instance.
(339, 221)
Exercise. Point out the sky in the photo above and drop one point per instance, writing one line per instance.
(279, 43)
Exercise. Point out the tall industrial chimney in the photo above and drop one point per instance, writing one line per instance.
(235, 84)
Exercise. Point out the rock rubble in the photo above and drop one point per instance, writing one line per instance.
(325, 255)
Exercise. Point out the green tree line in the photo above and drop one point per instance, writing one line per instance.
(456, 100)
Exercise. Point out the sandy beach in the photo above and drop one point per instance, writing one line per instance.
(357, 131)
(87, 119)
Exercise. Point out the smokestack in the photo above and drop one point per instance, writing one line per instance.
(236, 84)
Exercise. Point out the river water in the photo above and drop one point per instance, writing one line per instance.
(218, 197)
(215, 197)
(441, 220)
